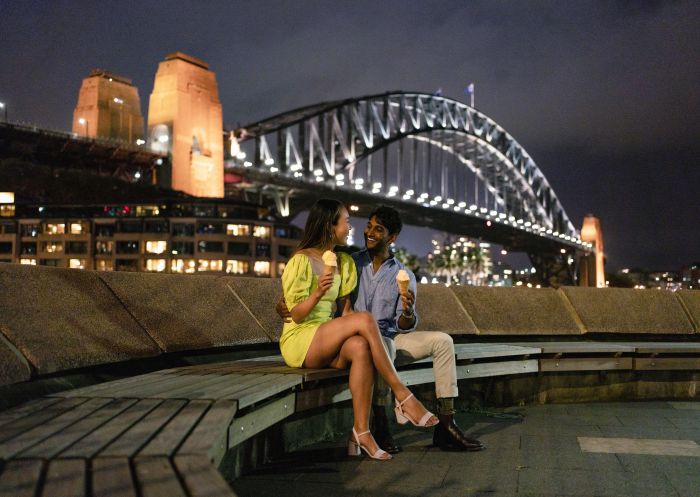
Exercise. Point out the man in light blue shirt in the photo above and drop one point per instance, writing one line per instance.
(378, 293)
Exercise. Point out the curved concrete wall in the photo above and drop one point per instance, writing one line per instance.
(65, 318)
(620, 310)
(59, 319)
(517, 311)
(184, 312)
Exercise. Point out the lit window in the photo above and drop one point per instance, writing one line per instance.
(237, 267)
(104, 265)
(7, 210)
(156, 247)
(211, 265)
(28, 262)
(155, 265)
(262, 268)
(76, 263)
(182, 266)
(76, 229)
(238, 229)
(261, 232)
(55, 229)
(53, 247)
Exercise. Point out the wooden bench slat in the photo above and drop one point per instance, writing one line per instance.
(25, 409)
(90, 445)
(156, 477)
(667, 347)
(25, 423)
(57, 442)
(101, 389)
(207, 386)
(233, 382)
(37, 434)
(483, 351)
(210, 435)
(20, 478)
(579, 347)
(586, 364)
(65, 478)
(139, 434)
(501, 368)
(111, 477)
(128, 389)
(666, 363)
(171, 436)
(201, 478)
(272, 387)
(254, 422)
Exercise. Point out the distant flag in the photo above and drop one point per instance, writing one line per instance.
(469, 90)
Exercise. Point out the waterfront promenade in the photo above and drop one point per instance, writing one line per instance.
(639, 449)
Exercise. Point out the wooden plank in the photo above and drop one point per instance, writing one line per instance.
(667, 347)
(201, 478)
(171, 436)
(139, 434)
(25, 423)
(53, 445)
(320, 397)
(270, 388)
(157, 478)
(586, 364)
(210, 435)
(487, 350)
(25, 409)
(133, 389)
(501, 368)
(260, 419)
(111, 477)
(666, 363)
(37, 434)
(90, 445)
(101, 389)
(65, 478)
(578, 347)
(20, 478)
(233, 382)
(207, 387)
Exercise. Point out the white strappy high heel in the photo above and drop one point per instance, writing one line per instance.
(354, 447)
(403, 417)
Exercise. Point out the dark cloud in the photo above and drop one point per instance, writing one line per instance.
(602, 94)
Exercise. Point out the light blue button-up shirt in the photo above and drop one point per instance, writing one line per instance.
(378, 293)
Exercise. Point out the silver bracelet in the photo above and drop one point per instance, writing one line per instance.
(408, 316)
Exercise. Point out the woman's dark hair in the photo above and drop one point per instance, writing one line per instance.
(388, 218)
(323, 216)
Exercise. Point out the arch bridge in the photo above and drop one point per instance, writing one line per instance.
(440, 162)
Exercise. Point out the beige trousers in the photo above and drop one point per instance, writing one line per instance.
(415, 345)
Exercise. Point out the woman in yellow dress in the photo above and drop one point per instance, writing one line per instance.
(313, 339)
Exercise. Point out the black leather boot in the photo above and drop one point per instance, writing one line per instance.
(381, 432)
(450, 437)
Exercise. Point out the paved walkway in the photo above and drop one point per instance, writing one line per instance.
(539, 451)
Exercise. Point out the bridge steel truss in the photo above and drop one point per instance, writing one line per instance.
(421, 151)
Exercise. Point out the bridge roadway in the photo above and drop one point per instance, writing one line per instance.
(167, 430)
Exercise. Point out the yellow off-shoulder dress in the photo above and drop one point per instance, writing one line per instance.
(298, 281)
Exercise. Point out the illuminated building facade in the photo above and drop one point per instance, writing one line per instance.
(185, 120)
(193, 238)
(108, 107)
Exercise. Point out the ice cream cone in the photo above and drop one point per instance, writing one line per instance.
(330, 262)
(402, 279)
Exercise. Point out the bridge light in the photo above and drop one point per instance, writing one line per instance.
(425, 195)
(241, 155)
(358, 186)
(528, 224)
(247, 163)
(502, 215)
(472, 207)
(298, 174)
(504, 252)
(393, 188)
(318, 172)
(377, 185)
(438, 198)
(533, 270)
(319, 179)
(520, 221)
(375, 190)
(137, 175)
(269, 161)
(339, 177)
(462, 204)
(159, 162)
(410, 192)
(450, 201)
(406, 196)
(354, 208)
(139, 141)
(488, 223)
(457, 208)
(296, 167)
(391, 194)
(433, 203)
(563, 251)
(340, 183)
(493, 213)
(484, 210)
(360, 181)
(273, 169)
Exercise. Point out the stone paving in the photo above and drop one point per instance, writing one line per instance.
(532, 451)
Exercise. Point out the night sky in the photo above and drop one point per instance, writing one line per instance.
(603, 95)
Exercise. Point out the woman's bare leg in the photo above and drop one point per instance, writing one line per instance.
(356, 354)
(331, 336)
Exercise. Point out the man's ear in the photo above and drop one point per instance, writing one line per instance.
(392, 238)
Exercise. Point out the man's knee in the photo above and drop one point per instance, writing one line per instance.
(443, 342)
